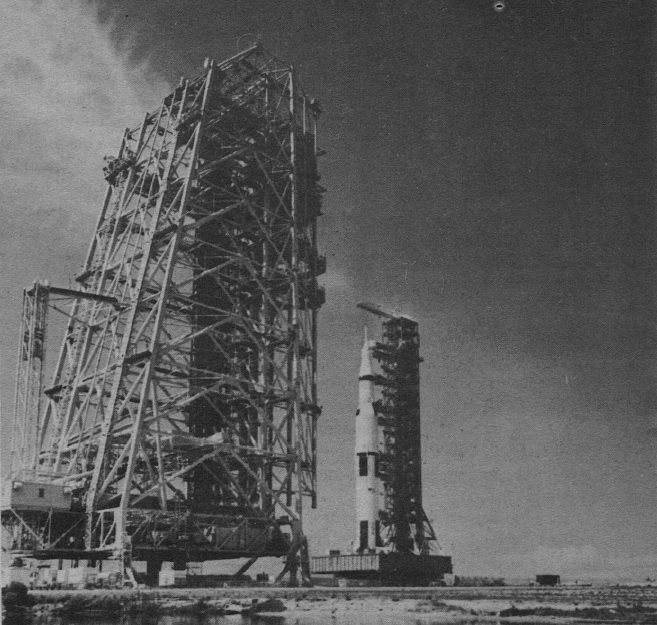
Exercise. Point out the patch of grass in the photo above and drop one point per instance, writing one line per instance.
(269, 605)
(433, 604)
(619, 613)
(200, 607)
(74, 605)
(15, 597)
(143, 604)
(107, 604)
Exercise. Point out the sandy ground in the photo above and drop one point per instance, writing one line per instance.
(402, 605)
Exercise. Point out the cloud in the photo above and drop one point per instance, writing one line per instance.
(67, 92)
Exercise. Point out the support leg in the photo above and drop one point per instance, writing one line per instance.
(153, 567)
(245, 567)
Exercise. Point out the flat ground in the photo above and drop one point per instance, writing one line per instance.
(635, 604)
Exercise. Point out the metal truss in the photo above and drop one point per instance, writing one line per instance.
(45, 533)
(405, 526)
(183, 408)
(29, 379)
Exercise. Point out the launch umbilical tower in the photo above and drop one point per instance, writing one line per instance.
(181, 420)
(395, 542)
(405, 527)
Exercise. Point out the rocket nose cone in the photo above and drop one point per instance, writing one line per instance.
(365, 358)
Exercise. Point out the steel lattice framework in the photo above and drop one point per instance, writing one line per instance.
(405, 527)
(182, 415)
(29, 377)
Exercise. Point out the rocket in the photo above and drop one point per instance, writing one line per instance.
(367, 457)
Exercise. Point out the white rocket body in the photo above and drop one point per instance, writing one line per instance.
(367, 457)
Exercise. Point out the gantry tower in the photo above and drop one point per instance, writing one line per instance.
(181, 420)
(405, 527)
(396, 543)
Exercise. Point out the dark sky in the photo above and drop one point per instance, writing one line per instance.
(491, 174)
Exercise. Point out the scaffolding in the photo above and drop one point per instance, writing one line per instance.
(405, 527)
(182, 414)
